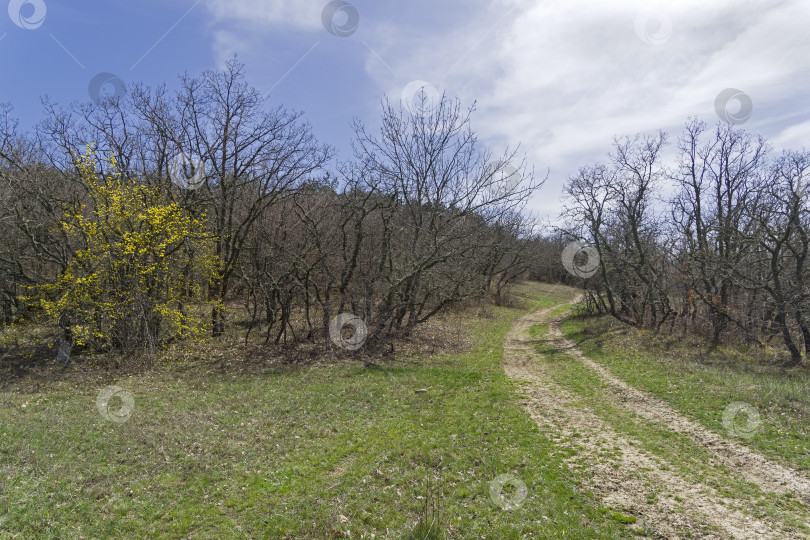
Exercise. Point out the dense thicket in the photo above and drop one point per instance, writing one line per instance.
(420, 217)
(726, 256)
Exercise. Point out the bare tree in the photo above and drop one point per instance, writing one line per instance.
(781, 244)
(610, 207)
(720, 184)
(253, 156)
(446, 185)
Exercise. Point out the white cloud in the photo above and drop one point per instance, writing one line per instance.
(795, 137)
(243, 27)
(564, 77)
(290, 13)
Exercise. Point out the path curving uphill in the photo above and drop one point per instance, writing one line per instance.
(621, 473)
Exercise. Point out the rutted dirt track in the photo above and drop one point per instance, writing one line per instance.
(621, 474)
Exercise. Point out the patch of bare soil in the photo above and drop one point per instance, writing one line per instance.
(769, 476)
(619, 472)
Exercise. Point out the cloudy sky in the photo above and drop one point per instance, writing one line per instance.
(560, 78)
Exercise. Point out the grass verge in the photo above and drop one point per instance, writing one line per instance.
(698, 386)
(701, 381)
(323, 452)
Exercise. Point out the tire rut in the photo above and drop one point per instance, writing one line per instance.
(679, 508)
(755, 468)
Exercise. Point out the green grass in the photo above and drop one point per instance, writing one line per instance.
(701, 381)
(688, 459)
(698, 386)
(619, 517)
(327, 452)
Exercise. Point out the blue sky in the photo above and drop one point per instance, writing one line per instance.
(559, 77)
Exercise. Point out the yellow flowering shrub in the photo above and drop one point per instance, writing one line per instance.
(140, 267)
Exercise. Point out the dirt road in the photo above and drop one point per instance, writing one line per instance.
(623, 475)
